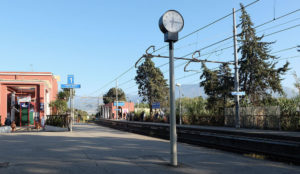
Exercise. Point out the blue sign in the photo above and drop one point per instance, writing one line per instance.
(42, 106)
(238, 93)
(119, 103)
(71, 79)
(155, 105)
(70, 86)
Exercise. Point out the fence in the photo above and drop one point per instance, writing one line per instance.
(58, 120)
(263, 118)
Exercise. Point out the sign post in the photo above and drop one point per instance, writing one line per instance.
(155, 105)
(71, 86)
(170, 23)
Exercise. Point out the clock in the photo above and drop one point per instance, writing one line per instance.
(171, 21)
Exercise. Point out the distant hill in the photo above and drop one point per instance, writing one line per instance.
(86, 104)
(187, 90)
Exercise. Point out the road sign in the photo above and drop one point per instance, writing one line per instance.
(71, 79)
(120, 103)
(238, 93)
(70, 86)
(155, 105)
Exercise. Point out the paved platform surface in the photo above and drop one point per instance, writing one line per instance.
(94, 149)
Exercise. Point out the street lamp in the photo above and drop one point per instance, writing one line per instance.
(179, 86)
(170, 23)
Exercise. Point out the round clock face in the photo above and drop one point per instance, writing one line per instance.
(172, 21)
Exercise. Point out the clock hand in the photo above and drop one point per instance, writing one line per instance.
(177, 22)
(172, 21)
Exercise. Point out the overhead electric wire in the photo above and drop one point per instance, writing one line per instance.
(264, 36)
(201, 49)
(291, 57)
(218, 20)
(278, 18)
(181, 39)
(286, 49)
(113, 80)
(278, 25)
(283, 30)
(231, 46)
(210, 44)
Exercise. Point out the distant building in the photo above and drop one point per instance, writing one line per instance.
(25, 96)
(109, 110)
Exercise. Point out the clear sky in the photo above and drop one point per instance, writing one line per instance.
(98, 40)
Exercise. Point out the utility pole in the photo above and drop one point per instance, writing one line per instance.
(236, 76)
(117, 104)
(72, 108)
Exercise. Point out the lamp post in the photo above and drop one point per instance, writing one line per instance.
(179, 87)
(170, 23)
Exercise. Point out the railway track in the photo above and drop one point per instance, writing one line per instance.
(274, 146)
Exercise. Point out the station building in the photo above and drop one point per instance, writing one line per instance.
(25, 96)
(109, 110)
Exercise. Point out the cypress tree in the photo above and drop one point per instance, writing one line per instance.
(151, 84)
(217, 85)
(259, 76)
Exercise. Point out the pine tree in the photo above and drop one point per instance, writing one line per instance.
(297, 82)
(110, 96)
(258, 75)
(151, 84)
(217, 85)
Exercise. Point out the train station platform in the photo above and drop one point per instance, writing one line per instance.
(250, 131)
(95, 149)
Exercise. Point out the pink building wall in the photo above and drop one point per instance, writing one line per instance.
(41, 81)
(128, 107)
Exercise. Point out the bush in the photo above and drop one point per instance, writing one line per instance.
(57, 120)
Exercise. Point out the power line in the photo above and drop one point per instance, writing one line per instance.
(113, 80)
(186, 76)
(230, 37)
(231, 46)
(278, 18)
(210, 44)
(283, 30)
(201, 28)
(278, 25)
(291, 57)
(216, 21)
(180, 39)
(264, 36)
(126, 82)
(286, 49)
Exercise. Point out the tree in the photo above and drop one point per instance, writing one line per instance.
(65, 94)
(151, 84)
(258, 75)
(297, 83)
(81, 115)
(110, 96)
(61, 106)
(217, 85)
